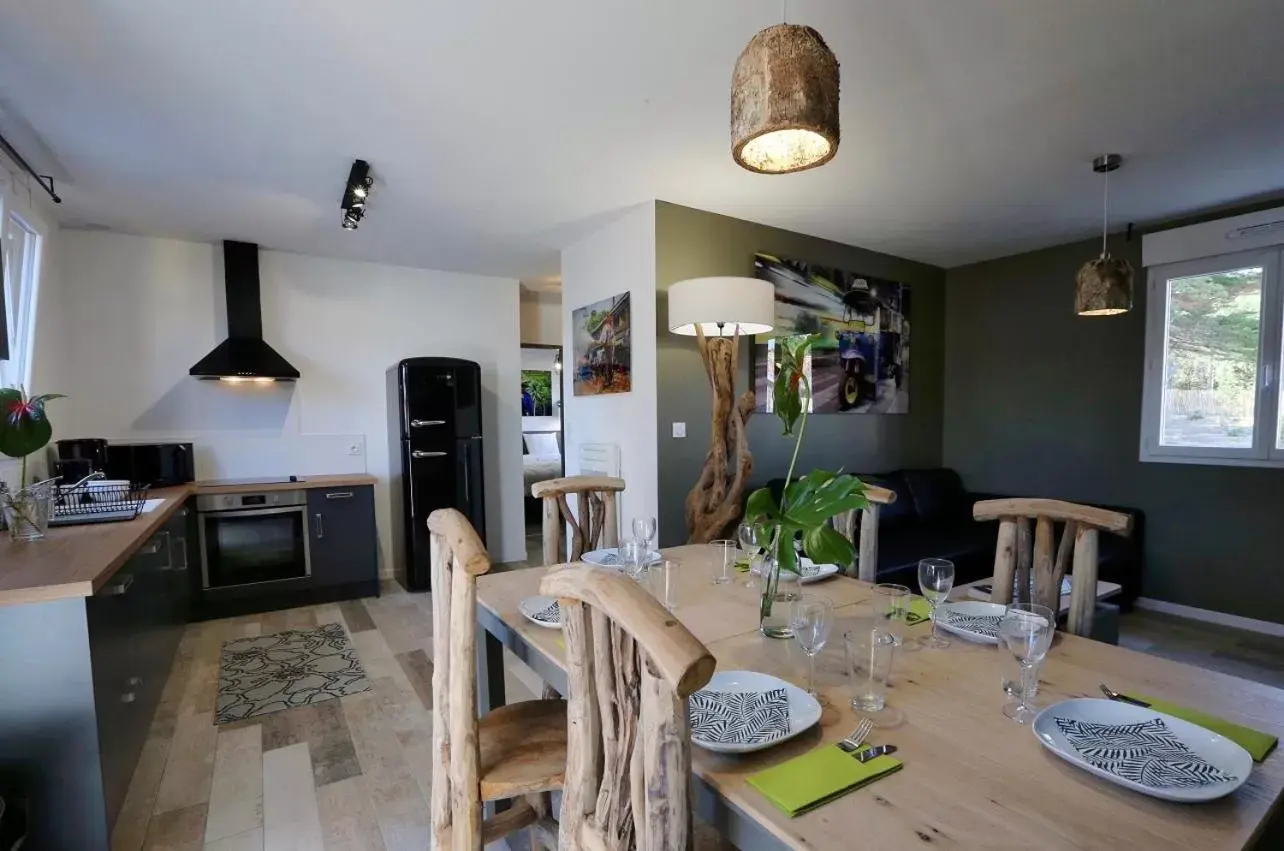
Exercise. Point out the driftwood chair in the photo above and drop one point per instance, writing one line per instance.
(592, 526)
(630, 668)
(866, 566)
(1014, 557)
(516, 751)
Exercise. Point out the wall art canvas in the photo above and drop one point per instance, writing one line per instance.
(860, 364)
(537, 393)
(601, 348)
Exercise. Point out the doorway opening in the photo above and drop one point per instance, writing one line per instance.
(543, 450)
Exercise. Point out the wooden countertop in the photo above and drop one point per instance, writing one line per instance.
(75, 561)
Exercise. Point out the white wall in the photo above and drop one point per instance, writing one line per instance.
(139, 311)
(617, 258)
(543, 359)
(541, 317)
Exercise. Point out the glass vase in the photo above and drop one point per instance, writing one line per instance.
(773, 608)
(27, 511)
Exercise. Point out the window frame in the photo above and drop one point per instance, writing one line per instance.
(1263, 452)
(21, 323)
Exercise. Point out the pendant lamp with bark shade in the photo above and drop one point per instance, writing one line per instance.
(717, 311)
(784, 101)
(1103, 286)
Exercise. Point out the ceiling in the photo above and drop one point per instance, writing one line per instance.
(501, 130)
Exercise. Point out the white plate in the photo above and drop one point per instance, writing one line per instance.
(1217, 751)
(532, 606)
(804, 710)
(951, 618)
(610, 557)
(808, 572)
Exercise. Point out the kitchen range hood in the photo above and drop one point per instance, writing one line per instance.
(243, 356)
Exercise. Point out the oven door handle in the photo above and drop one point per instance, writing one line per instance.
(256, 512)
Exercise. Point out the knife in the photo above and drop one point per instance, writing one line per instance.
(873, 752)
(1122, 698)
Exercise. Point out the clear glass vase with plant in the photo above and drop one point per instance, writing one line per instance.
(808, 503)
(24, 431)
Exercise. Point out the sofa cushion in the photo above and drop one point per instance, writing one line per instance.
(938, 494)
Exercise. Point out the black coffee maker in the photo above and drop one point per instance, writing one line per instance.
(79, 457)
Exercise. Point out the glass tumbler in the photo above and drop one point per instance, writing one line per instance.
(869, 664)
(888, 605)
(724, 560)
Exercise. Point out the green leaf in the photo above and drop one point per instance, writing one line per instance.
(786, 556)
(824, 545)
(761, 506)
(24, 426)
(822, 495)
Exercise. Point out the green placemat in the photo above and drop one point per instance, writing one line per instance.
(817, 777)
(1257, 743)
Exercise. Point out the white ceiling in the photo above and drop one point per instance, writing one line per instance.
(501, 129)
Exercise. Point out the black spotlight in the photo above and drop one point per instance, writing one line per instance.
(355, 194)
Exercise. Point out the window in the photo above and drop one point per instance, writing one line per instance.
(1213, 331)
(20, 258)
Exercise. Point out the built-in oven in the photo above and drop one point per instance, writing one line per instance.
(253, 538)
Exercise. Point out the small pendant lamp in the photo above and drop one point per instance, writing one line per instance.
(1103, 287)
(784, 101)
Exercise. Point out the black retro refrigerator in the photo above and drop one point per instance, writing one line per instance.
(435, 437)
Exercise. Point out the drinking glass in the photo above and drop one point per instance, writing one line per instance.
(724, 560)
(935, 580)
(1026, 630)
(869, 664)
(644, 529)
(660, 579)
(751, 544)
(888, 605)
(811, 617)
(633, 558)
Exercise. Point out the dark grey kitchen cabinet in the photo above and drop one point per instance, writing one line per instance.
(344, 547)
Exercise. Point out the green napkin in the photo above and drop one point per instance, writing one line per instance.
(917, 611)
(817, 777)
(743, 564)
(1257, 743)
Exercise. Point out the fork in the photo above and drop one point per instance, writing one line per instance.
(853, 742)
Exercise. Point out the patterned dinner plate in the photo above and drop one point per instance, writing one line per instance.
(972, 620)
(1143, 750)
(610, 557)
(739, 712)
(541, 611)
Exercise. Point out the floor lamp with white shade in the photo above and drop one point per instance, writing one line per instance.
(717, 311)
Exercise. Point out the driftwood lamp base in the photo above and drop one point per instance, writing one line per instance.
(714, 502)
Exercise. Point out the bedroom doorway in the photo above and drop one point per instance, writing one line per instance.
(543, 450)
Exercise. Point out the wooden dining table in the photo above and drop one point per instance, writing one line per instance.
(972, 778)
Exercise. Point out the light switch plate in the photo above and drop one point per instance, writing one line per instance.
(679, 429)
(354, 449)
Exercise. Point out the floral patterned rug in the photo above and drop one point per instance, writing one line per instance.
(268, 673)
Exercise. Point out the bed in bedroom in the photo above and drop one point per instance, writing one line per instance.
(542, 460)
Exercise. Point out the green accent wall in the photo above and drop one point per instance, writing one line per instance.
(1041, 402)
(692, 243)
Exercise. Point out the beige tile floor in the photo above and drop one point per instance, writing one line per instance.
(353, 774)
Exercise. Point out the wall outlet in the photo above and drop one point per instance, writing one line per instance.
(679, 429)
(354, 448)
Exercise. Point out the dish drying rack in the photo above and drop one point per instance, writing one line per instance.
(85, 503)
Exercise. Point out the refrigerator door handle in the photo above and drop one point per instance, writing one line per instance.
(424, 423)
(467, 475)
(420, 453)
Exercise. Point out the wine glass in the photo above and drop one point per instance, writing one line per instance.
(935, 580)
(749, 535)
(1027, 630)
(811, 617)
(644, 529)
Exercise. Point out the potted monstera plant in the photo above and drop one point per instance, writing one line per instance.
(24, 431)
(807, 503)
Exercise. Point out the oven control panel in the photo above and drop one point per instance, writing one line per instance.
(244, 501)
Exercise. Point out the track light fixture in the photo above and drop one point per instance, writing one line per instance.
(355, 194)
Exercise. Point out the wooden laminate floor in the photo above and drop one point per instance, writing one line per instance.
(350, 774)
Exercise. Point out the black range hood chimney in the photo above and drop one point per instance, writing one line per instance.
(243, 356)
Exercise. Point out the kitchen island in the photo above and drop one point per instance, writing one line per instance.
(90, 621)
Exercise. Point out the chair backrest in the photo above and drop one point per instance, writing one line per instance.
(630, 668)
(458, 558)
(1016, 558)
(592, 526)
(866, 566)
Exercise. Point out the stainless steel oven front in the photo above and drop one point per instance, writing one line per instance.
(253, 538)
